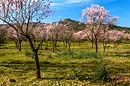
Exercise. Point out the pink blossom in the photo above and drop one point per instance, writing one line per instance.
(80, 35)
(115, 35)
(95, 13)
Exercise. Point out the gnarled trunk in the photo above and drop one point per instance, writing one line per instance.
(37, 64)
(35, 53)
(20, 45)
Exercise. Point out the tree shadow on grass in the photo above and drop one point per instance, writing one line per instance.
(30, 65)
(3, 54)
(60, 70)
(53, 71)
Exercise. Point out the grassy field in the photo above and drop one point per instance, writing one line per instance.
(80, 67)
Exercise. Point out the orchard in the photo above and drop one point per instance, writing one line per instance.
(91, 52)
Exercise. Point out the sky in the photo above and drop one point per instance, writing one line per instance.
(72, 9)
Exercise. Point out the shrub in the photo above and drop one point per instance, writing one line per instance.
(86, 54)
(74, 74)
(78, 54)
(46, 62)
(65, 53)
(102, 73)
(79, 75)
(29, 53)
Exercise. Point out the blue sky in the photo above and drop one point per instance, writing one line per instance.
(73, 8)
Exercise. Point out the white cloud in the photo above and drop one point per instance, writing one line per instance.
(75, 1)
(67, 2)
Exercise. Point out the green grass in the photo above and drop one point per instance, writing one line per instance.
(18, 68)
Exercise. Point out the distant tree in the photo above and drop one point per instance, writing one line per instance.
(108, 22)
(126, 36)
(39, 34)
(68, 33)
(19, 14)
(80, 36)
(3, 34)
(115, 36)
(16, 37)
(54, 33)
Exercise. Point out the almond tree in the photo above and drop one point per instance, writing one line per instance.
(19, 14)
(39, 34)
(16, 37)
(68, 31)
(68, 37)
(108, 22)
(115, 36)
(80, 36)
(54, 32)
(126, 36)
(95, 18)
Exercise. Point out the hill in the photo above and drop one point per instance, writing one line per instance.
(77, 26)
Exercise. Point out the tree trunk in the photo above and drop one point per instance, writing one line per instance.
(53, 49)
(0, 40)
(96, 45)
(35, 52)
(104, 46)
(92, 43)
(37, 64)
(54, 46)
(41, 46)
(69, 44)
(20, 43)
(16, 43)
(54, 42)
